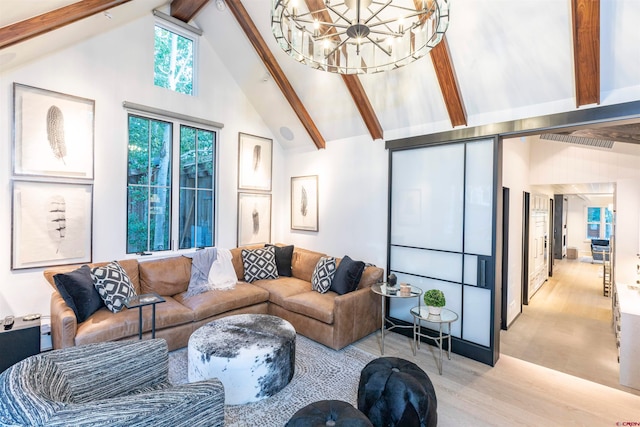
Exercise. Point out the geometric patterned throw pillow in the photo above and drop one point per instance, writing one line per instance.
(323, 274)
(259, 264)
(113, 285)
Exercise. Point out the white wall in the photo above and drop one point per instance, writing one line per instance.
(353, 189)
(111, 68)
(515, 176)
(576, 225)
(627, 231)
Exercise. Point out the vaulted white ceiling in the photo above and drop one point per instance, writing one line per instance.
(512, 59)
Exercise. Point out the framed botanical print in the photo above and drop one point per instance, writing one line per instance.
(51, 224)
(53, 133)
(254, 162)
(254, 218)
(304, 203)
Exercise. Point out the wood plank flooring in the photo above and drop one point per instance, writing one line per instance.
(517, 392)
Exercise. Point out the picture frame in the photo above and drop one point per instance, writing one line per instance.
(304, 203)
(254, 218)
(53, 133)
(255, 155)
(51, 224)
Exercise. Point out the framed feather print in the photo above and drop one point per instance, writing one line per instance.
(254, 162)
(304, 203)
(51, 224)
(254, 218)
(53, 133)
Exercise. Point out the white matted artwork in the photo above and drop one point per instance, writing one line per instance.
(53, 133)
(51, 224)
(254, 162)
(304, 203)
(254, 218)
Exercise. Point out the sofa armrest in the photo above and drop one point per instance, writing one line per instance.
(356, 315)
(64, 324)
(187, 405)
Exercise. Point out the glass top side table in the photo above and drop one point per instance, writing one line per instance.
(140, 301)
(392, 292)
(446, 317)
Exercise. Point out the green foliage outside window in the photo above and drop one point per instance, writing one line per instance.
(173, 65)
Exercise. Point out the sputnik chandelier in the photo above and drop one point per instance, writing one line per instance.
(358, 36)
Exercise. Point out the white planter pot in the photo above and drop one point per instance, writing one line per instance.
(434, 310)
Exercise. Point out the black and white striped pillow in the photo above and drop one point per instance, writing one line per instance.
(323, 274)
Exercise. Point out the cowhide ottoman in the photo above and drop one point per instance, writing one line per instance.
(396, 392)
(253, 355)
(328, 413)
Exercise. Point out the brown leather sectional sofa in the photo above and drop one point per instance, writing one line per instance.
(331, 319)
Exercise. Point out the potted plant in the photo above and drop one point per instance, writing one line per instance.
(434, 300)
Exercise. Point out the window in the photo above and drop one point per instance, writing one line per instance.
(151, 218)
(599, 222)
(174, 59)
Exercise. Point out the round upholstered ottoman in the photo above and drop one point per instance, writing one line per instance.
(328, 413)
(396, 392)
(253, 355)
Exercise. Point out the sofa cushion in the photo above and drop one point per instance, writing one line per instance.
(165, 276)
(284, 255)
(323, 274)
(77, 290)
(304, 262)
(283, 287)
(236, 258)
(370, 275)
(347, 277)
(106, 326)
(213, 303)
(312, 304)
(259, 264)
(113, 285)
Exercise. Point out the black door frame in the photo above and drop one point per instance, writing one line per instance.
(526, 202)
(505, 258)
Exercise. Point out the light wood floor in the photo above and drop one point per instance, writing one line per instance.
(567, 326)
(517, 392)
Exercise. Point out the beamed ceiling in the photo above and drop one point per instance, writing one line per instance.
(500, 60)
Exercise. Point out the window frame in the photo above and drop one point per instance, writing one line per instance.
(174, 191)
(603, 223)
(183, 30)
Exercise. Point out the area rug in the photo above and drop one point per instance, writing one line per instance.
(320, 374)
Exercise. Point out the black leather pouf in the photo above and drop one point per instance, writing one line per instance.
(328, 413)
(396, 392)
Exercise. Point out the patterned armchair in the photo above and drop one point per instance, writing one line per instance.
(116, 383)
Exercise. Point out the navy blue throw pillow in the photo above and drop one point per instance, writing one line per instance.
(284, 254)
(77, 290)
(348, 275)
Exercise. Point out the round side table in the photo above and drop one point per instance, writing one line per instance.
(446, 317)
(388, 292)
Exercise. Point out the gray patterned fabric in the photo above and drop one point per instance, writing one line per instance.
(114, 383)
(323, 274)
(113, 285)
(259, 264)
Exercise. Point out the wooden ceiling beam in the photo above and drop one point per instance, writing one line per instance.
(186, 10)
(41, 24)
(352, 81)
(363, 104)
(585, 16)
(252, 33)
(446, 75)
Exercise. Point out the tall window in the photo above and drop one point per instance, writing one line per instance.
(152, 219)
(174, 59)
(599, 222)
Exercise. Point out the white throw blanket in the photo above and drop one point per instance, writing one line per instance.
(222, 275)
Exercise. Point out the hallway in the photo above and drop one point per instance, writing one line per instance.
(567, 326)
